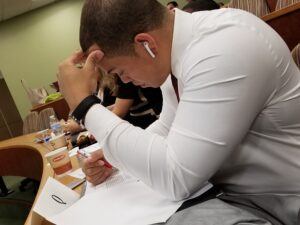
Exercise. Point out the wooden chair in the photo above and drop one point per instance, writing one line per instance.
(296, 55)
(286, 23)
(43, 118)
(20, 161)
(60, 107)
(257, 7)
(30, 123)
(285, 3)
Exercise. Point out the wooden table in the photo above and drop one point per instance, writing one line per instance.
(59, 106)
(27, 142)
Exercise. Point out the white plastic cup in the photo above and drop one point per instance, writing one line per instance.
(59, 160)
(58, 141)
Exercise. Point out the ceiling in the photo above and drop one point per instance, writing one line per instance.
(12, 8)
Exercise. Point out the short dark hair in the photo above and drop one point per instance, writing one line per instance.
(113, 24)
(173, 3)
(200, 5)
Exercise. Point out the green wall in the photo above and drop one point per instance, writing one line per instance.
(33, 44)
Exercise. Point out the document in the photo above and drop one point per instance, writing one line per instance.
(54, 199)
(77, 174)
(121, 200)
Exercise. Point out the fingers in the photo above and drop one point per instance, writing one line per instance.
(100, 177)
(94, 162)
(94, 168)
(91, 171)
(90, 62)
(95, 156)
(93, 59)
(75, 58)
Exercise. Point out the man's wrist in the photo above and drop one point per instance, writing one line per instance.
(83, 107)
(76, 101)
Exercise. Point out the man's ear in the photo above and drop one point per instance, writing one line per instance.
(145, 44)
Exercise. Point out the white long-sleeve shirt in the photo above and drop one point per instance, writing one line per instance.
(238, 120)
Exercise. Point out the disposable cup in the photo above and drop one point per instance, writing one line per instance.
(59, 160)
(58, 141)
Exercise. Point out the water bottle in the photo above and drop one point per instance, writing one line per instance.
(55, 126)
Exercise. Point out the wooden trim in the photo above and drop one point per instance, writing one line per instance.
(60, 107)
(281, 12)
(271, 4)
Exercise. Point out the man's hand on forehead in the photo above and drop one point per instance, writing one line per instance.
(95, 60)
(78, 76)
(79, 58)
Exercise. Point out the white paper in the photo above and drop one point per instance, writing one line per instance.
(89, 149)
(116, 178)
(92, 148)
(54, 199)
(77, 174)
(73, 152)
(122, 200)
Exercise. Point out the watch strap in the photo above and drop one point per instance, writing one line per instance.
(81, 110)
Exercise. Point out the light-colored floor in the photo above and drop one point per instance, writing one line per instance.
(11, 213)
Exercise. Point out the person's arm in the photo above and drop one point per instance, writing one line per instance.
(110, 107)
(122, 107)
(224, 91)
(162, 125)
(71, 126)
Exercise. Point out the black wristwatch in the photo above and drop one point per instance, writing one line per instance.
(81, 110)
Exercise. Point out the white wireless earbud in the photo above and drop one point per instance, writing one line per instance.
(146, 45)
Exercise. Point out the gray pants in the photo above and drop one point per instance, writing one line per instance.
(214, 212)
(242, 210)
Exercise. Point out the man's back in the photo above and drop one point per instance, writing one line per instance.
(259, 93)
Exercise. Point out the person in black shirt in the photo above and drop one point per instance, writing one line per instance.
(139, 106)
(200, 5)
(144, 104)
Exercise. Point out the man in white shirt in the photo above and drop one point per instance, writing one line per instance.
(237, 122)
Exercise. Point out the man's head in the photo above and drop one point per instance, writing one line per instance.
(171, 5)
(200, 5)
(125, 31)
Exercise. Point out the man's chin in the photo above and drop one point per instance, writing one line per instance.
(144, 85)
(148, 86)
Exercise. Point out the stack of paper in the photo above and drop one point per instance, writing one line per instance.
(121, 200)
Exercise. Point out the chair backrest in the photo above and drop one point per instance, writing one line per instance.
(21, 161)
(43, 118)
(296, 54)
(257, 7)
(284, 3)
(30, 123)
